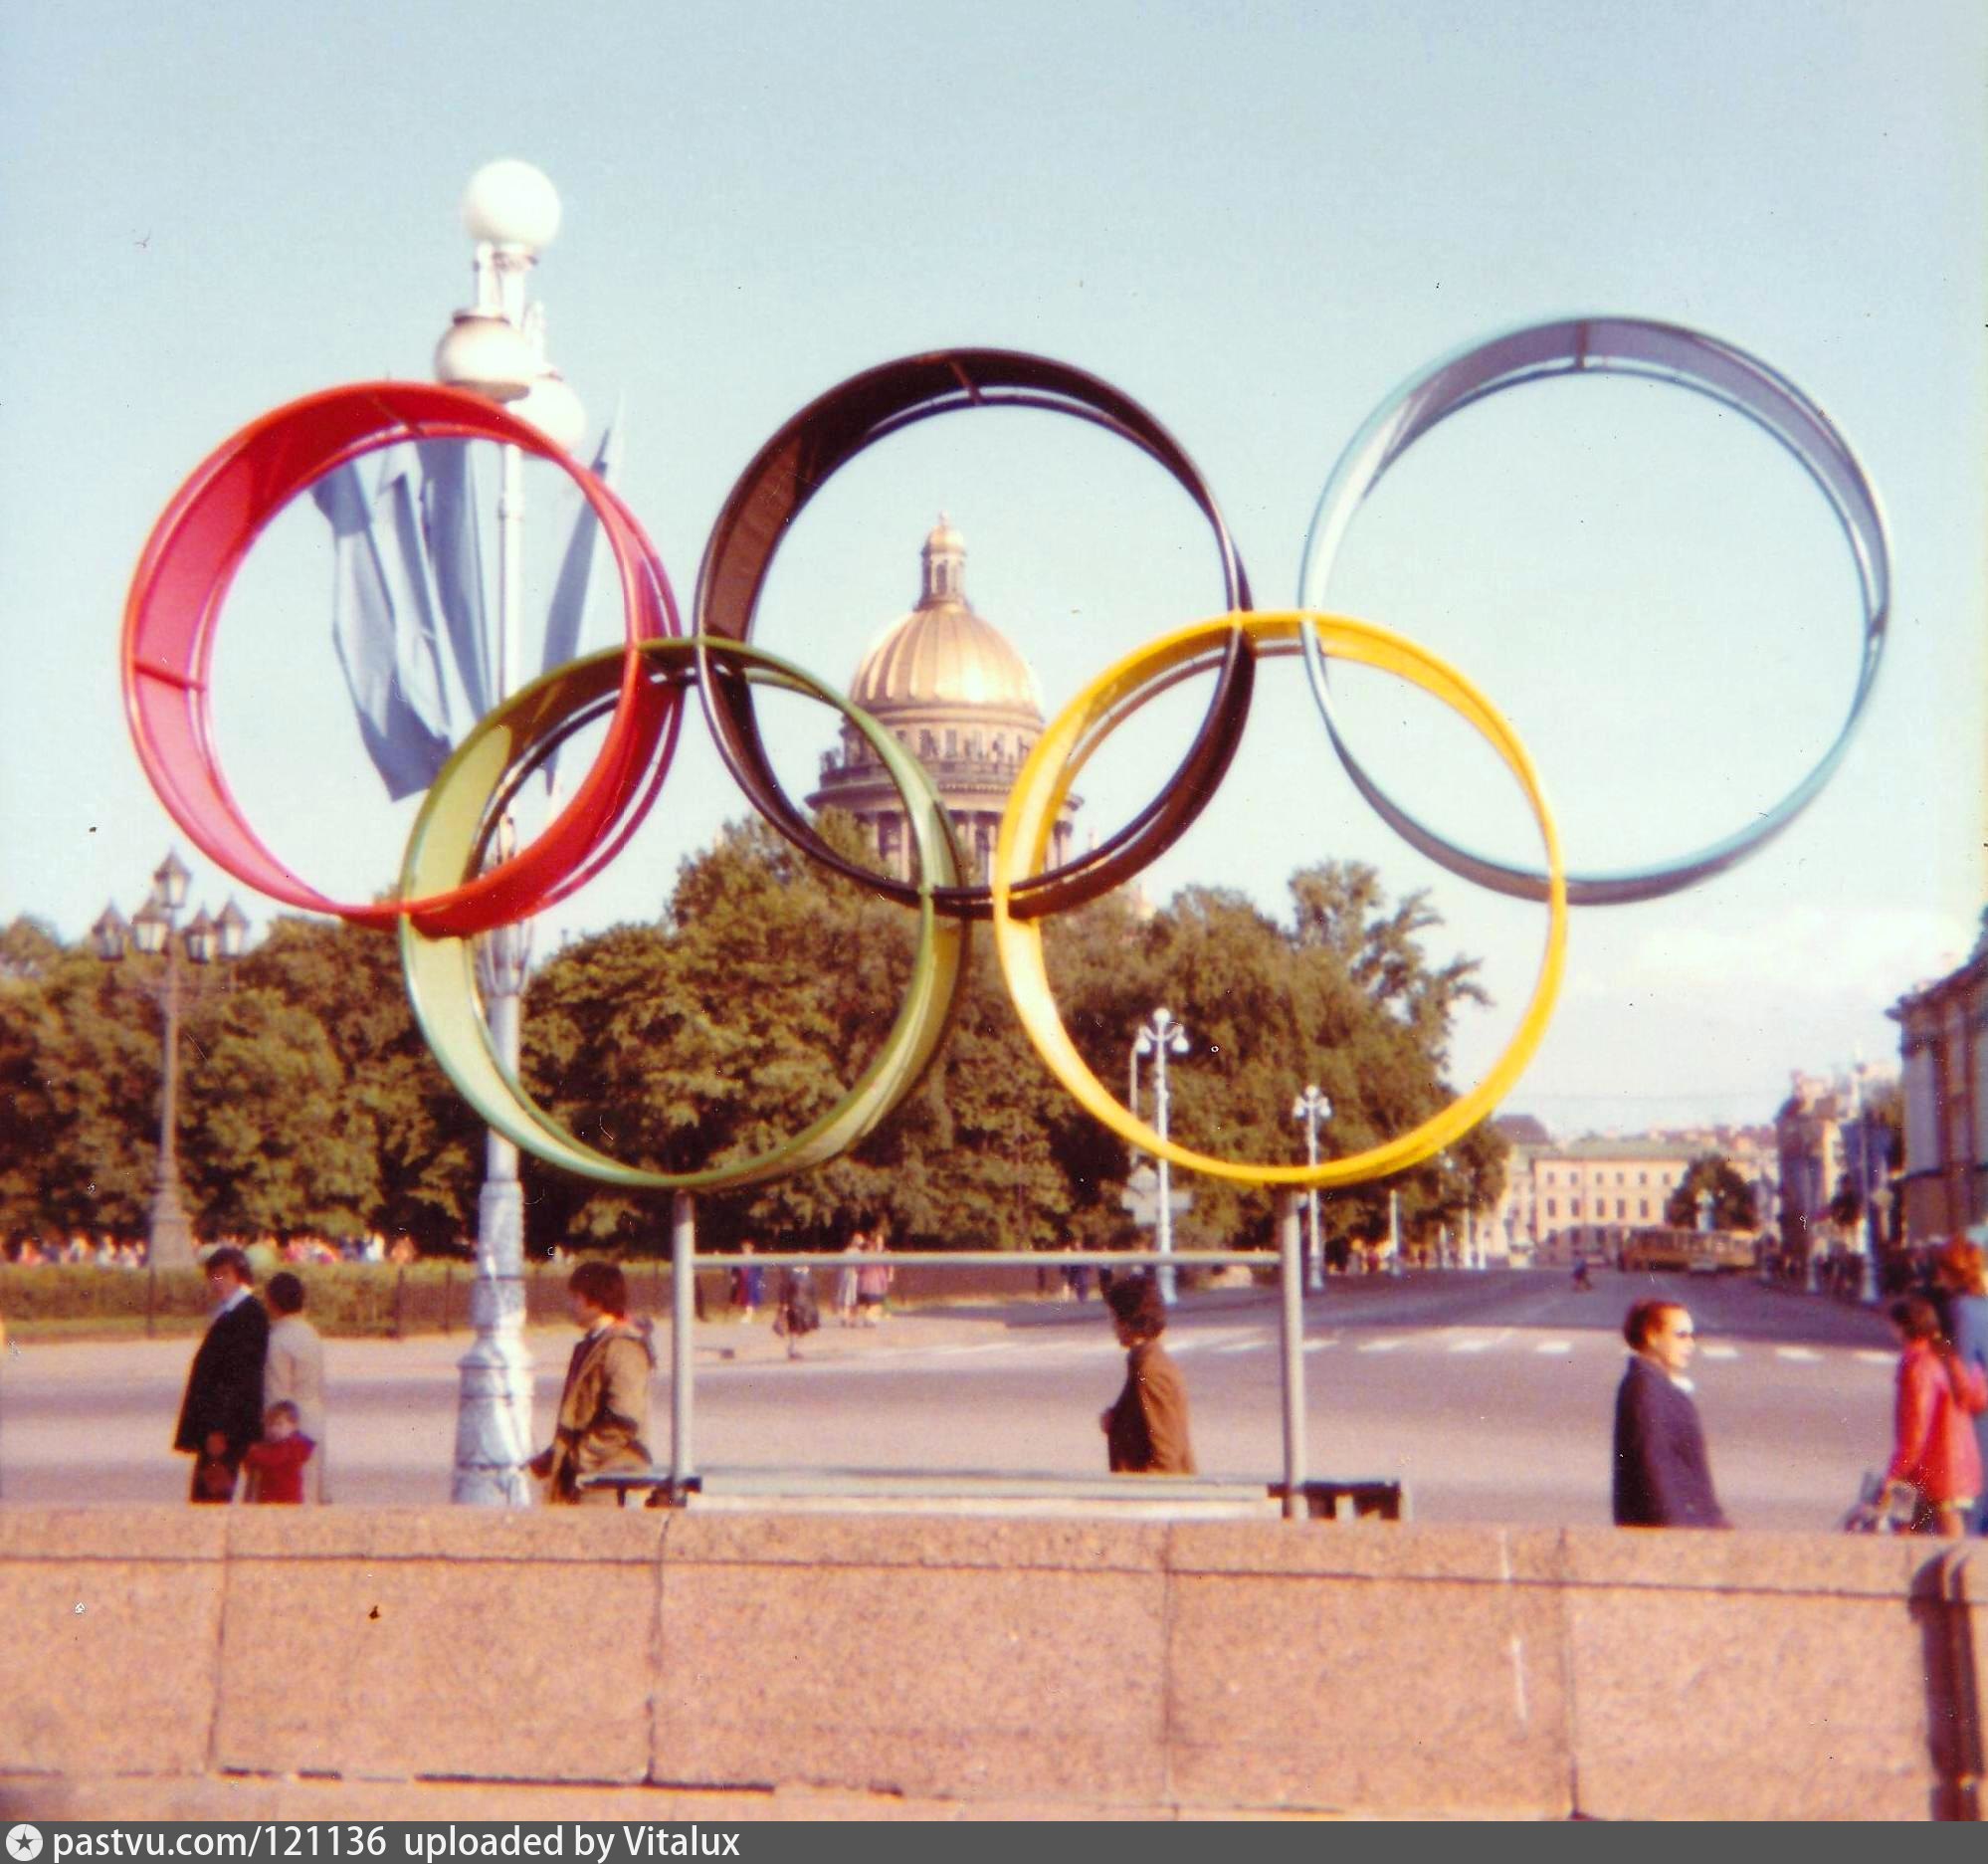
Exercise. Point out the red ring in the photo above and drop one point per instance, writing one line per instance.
(182, 581)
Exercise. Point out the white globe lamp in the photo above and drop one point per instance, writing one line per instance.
(485, 355)
(512, 205)
(552, 407)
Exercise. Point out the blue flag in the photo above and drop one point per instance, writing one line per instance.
(396, 513)
(456, 558)
(569, 595)
(405, 748)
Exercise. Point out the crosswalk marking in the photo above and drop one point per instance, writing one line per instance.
(1228, 1344)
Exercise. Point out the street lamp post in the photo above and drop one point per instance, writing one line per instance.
(1159, 1038)
(1868, 1216)
(496, 349)
(154, 930)
(1312, 1106)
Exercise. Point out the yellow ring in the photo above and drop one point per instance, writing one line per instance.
(1060, 752)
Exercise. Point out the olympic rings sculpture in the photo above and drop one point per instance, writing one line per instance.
(449, 891)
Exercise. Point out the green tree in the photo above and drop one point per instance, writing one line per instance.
(766, 987)
(272, 1141)
(428, 1146)
(1733, 1206)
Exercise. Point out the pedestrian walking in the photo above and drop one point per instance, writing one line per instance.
(844, 1282)
(1663, 1477)
(1935, 1457)
(799, 1313)
(748, 1284)
(293, 1374)
(221, 1413)
(1146, 1430)
(1961, 1270)
(872, 1280)
(604, 1407)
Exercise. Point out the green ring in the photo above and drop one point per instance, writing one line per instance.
(441, 971)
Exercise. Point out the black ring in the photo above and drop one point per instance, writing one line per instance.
(801, 458)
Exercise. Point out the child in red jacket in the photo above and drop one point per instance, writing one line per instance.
(276, 1465)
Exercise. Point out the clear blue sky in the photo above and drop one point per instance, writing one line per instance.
(1257, 220)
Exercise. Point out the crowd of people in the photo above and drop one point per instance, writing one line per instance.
(253, 1414)
(264, 1254)
(254, 1405)
(1933, 1482)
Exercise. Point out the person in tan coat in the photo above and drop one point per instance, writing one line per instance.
(604, 1408)
(293, 1373)
(1145, 1432)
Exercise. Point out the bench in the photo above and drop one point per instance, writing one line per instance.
(975, 1491)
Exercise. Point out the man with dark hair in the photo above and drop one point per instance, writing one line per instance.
(604, 1408)
(1663, 1478)
(1145, 1432)
(222, 1411)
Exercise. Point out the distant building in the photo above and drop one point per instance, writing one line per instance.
(1508, 1232)
(954, 693)
(1944, 1186)
(1588, 1196)
(1585, 1196)
(1828, 1141)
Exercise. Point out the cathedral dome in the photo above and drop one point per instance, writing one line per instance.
(949, 689)
(942, 655)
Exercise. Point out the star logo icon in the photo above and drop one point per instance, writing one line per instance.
(24, 1844)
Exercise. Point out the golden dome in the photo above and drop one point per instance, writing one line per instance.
(942, 654)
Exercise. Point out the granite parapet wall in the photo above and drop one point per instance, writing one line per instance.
(318, 1659)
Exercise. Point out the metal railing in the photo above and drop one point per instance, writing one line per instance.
(686, 1260)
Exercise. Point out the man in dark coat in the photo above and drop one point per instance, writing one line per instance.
(1661, 1476)
(1145, 1432)
(222, 1412)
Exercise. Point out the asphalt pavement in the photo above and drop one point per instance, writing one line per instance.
(1489, 1394)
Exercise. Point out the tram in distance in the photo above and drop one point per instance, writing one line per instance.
(1693, 1252)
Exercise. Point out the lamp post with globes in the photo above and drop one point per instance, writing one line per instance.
(1159, 1038)
(496, 349)
(1311, 1107)
(154, 930)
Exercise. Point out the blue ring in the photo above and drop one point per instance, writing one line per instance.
(1664, 353)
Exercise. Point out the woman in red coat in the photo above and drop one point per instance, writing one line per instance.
(1938, 1396)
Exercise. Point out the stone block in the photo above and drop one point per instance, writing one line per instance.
(1368, 1693)
(937, 1659)
(112, 1617)
(461, 1644)
(1738, 1701)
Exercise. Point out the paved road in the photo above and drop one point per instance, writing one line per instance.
(1489, 1394)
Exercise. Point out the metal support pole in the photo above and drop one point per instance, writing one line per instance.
(494, 1432)
(682, 1311)
(168, 1234)
(1163, 1232)
(1291, 1281)
(1395, 1264)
